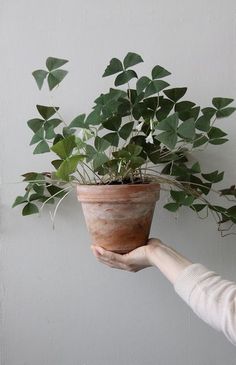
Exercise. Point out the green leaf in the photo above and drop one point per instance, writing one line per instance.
(19, 200)
(50, 133)
(113, 123)
(52, 63)
(99, 159)
(56, 163)
(101, 144)
(134, 150)
(169, 139)
(42, 147)
(198, 207)
(155, 86)
(94, 118)
(126, 130)
(64, 147)
(200, 139)
(166, 106)
(196, 168)
(183, 106)
(136, 161)
(35, 124)
(68, 166)
(176, 93)
(39, 136)
(125, 77)
(142, 83)
(190, 113)
(30, 208)
(218, 141)
(52, 123)
(203, 123)
(214, 176)
(40, 76)
(232, 211)
(187, 129)
(215, 132)
(209, 112)
(132, 59)
(46, 111)
(114, 66)
(178, 196)
(169, 124)
(220, 103)
(225, 112)
(78, 122)
(172, 207)
(112, 138)
(55, 77)
(158, 72)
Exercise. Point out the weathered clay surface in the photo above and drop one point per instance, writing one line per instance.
(118, 217)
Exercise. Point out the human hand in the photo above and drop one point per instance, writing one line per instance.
(134, 261)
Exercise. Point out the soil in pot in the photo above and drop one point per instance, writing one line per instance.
(119, 217)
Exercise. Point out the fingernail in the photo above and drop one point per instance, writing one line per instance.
(99, 250)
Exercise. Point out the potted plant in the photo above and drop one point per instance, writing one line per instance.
(139, 138)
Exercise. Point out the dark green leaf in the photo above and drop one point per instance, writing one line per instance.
(125, 77)
(183, 106)
(52, 63)
(220, 103)
(158, 72)
(132, 59)
(50, 133)
(30, 208)
(64, 147)
(218, 141)
(99, 159)
(198, 207)
(203, 123)
(187, 129)
(114, 66)
(200, 139)
(46, 111)
(172, 207)
(55, 77)
(56, 163)
(19, 200)
(176, 93)
(225, 112)
(166, 106)
(112, 138)
(40, 76)
(190, 113)
(136, 161)
(142, 83)
(126, 130)
(214, 176)
(35, 124)
(113, 123)
(42, 147)
(209, 112)
(155, 86)
(196, 168)
(216, 133)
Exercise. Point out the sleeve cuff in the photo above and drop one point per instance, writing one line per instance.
(188, 279)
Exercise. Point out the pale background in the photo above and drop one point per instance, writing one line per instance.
(58, 305)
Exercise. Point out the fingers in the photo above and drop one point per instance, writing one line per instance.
(108, 258)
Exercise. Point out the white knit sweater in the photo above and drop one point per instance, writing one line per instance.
(210, 297)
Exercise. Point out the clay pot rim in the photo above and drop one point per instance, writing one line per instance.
(142, 193)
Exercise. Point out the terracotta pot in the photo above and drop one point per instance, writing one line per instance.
(119, 217)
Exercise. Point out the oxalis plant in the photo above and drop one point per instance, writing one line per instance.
(140, 131)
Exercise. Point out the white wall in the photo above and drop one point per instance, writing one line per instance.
(59, 306)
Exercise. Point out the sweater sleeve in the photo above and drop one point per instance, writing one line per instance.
(210, 297)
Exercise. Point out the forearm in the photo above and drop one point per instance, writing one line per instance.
(210, 297)
(168, 261)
